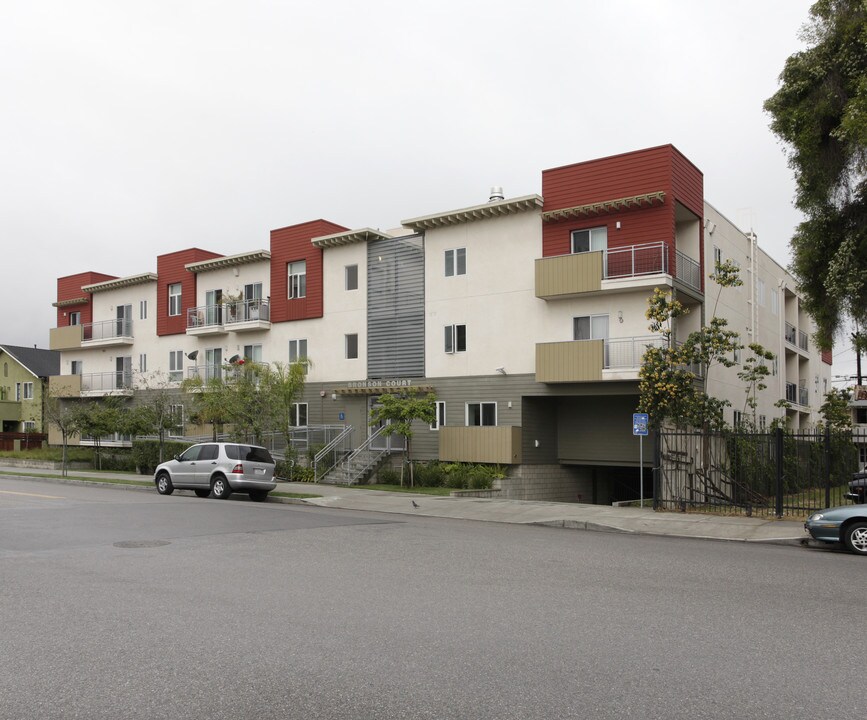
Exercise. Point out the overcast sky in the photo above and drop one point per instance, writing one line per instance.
(131, 129)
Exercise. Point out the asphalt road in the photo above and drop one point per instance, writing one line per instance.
(122, 604)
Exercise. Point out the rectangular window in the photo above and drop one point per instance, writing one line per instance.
(737, 355)
(176, 365)
(481, 413)
(738, 416)
(298, 279)
(440, 418)
(76, 367)
(17, 392)
(590, 240)
(29, 426)
(717, 257)
(760, 292)
(456, 262)
(253, 353)
(75, 318)
(299, 414)
(142, 363)
(298, 352)
(351, 277)
(351, 342)
(775, 302)
(590, 327)
(253, 291)
(143, 310)
(175, 299)
(28, 390)
(774, 366)
(763, 421)
(455, 338)
(176, 412)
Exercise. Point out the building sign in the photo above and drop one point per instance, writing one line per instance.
(382, 386)
(379, 383)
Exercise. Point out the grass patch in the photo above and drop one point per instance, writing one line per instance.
(52, 454)
(418, 490)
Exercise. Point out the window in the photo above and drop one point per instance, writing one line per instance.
(455, 338)
(456, 262)
(298, 279)
(774, 366)
(299, 415)
(351, 342)
(28, 390)
(5, 369)
(351, 276)
(175, 299)
(75, 318)
(590, 327)
(760, 292)
(76, 367)
(738, 418)
(717, 257)
(298, 352)
(737, 355)
(253, 291)
(142, 363)
(861, 416)
(176, 413)
(590, 240)
(143, 310)
(440, 418)
(176, 365)
(775, 302)
(17, 392)
(763, 422)
(29, 426)
(253, 353)
(481, 413)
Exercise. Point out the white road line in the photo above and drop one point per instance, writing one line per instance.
(51, 497)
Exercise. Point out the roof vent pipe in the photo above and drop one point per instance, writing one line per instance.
(496, 194)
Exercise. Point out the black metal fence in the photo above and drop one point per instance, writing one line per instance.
(778, 473)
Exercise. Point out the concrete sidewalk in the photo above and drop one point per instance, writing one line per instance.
(522, 512)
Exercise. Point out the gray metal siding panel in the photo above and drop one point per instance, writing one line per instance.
(395, 313)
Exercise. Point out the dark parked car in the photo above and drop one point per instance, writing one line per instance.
(858, 488)
(220, 469)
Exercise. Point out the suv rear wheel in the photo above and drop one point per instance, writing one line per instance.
(220, 487)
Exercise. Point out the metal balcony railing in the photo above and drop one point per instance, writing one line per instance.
(106, 382)
(803, 396)
(247, 310)
(206, 372)
(688, 270)
(791, 334)
(628, 352)
(205, 316)
(107, 329)
(650, 259)
(802, 340)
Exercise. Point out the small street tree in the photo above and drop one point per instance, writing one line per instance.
(65, 417)
(754, 371)
(98, 418)
(835, 411)
(153, 412)
(399, 411)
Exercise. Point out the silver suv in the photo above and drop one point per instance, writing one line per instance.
(220, 469)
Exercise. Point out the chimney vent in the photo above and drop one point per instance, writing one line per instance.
(496, 194)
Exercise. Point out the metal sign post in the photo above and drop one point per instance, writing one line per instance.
(640, 422)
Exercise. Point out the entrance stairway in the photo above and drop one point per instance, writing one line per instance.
(359, 464)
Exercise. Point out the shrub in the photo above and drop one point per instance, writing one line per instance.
(388, 476)
(146, 454)
(287, 470)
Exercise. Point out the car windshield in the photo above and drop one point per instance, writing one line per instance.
(250, 453)
(190, 454)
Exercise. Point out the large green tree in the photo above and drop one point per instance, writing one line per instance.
(820, 113)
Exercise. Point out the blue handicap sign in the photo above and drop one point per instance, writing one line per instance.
(639, 423)
(341, 416)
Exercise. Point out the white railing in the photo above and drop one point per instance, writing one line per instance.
(688, 270)
(648, 259)
(106, 382)
(205, 372)
(247, 310)
(106, 329)
(628, 352)
(205, 316)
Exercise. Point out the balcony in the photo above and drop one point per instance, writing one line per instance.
(107, 333)
(566, 276)
(592, 360)
(206, 372)
(206, 320)
(10, 411)
(65, 386)
(797, 395)
(491, 444)
(247, 315)
(64, 338)
(106, 383)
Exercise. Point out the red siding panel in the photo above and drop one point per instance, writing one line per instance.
(69, 288)
(827, 356)
(171, 270)
(292, 244)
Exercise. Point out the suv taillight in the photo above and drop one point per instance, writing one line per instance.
(238, 469)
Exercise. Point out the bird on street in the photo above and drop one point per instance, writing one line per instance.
(414, 503)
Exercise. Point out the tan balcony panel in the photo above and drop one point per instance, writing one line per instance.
(574, 361)
(65, 386)
(498, 445)
(64, 338)
(10, 411)
(568, 275)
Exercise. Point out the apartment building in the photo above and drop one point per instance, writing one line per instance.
(525, 315)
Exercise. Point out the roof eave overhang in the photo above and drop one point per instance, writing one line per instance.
(71, 301)
(228, 261)
(497, 208)
(123, 282)
(605, 206)
(349, 237)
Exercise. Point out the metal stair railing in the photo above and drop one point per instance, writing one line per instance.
(329, 449)
(360, 460)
